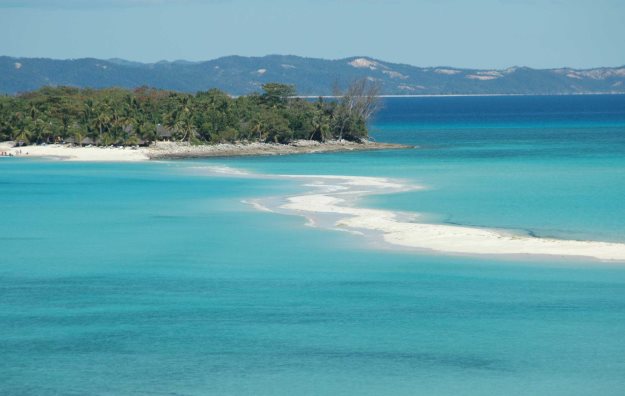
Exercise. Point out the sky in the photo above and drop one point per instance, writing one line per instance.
(460, 33)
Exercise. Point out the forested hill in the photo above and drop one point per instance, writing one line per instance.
(242, 75)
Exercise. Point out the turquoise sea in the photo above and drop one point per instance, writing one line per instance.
(154, 279)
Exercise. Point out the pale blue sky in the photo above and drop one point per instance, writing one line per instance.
(462, 33)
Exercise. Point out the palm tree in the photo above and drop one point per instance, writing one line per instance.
(79, 135)
(180, 119)
(185, 128)
(106, 139)
(144, 129)
(23, 132)
(32, 110)
(321, 126)
(257, 127)
(102, 121)
(41, 130)
(88, 115)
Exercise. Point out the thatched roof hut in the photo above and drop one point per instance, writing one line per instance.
(87, 141)
(163, 132)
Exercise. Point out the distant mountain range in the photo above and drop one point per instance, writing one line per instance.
(239, 75)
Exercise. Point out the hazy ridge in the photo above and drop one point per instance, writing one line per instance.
(241, 75)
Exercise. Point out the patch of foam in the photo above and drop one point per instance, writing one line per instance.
(219, 169)
(327, 188)
(257, 205)
(368, 181)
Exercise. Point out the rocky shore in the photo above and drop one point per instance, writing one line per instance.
(167, 150)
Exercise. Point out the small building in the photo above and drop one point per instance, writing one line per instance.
(87, 142)
(163, 132)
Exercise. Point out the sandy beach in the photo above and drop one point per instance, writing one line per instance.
(172, 150)
(70, 153)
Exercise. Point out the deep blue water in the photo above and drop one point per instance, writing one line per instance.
(126, 279)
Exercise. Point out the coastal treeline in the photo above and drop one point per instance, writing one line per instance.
(116, 116)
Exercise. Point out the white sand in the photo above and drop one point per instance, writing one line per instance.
(256, 205)
(339, 199)
(177, 150)
(65, 152)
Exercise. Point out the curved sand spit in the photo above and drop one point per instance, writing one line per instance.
(336, 197)
(339, 193)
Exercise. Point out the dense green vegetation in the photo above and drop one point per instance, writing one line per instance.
(122, 117)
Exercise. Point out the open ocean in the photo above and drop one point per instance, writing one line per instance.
(153, 279)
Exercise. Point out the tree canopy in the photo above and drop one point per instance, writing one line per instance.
(117, 116)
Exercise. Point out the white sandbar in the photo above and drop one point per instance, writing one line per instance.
(339, 194)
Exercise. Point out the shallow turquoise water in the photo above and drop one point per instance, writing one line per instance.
(124, 279)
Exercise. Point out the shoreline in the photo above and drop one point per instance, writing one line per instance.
(332, 203)
(172, 150)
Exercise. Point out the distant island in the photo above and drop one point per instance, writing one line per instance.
(117, 116)
(238, 75)
(47, 121)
